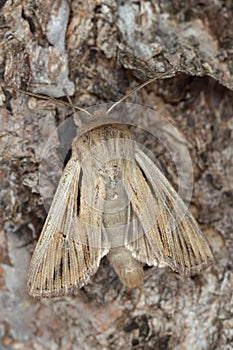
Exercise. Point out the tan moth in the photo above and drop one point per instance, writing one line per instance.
(112, 200)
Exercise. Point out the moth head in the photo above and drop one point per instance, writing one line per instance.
(96, 133)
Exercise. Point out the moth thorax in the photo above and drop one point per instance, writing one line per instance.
(92, 139)
(129, 270)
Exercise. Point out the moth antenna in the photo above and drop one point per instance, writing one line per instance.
(137, 88)
(69, 104)
(78, 122)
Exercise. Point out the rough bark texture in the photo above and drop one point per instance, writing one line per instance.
(97, 51)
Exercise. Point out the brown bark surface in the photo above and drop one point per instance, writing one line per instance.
(96, 52)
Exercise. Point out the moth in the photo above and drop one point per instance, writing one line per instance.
(112, 200)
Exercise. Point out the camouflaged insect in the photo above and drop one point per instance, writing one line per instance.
(112, 200)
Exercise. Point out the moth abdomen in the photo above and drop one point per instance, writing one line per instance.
(128, 269)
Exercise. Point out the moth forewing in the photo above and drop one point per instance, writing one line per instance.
(44, 268)
(137, 243)
(173, 233)
(62, 261)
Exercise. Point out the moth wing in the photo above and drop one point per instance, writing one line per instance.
(171, 234)
(137, 242)
(64, 257)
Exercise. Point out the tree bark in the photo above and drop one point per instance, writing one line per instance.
(96, 52)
